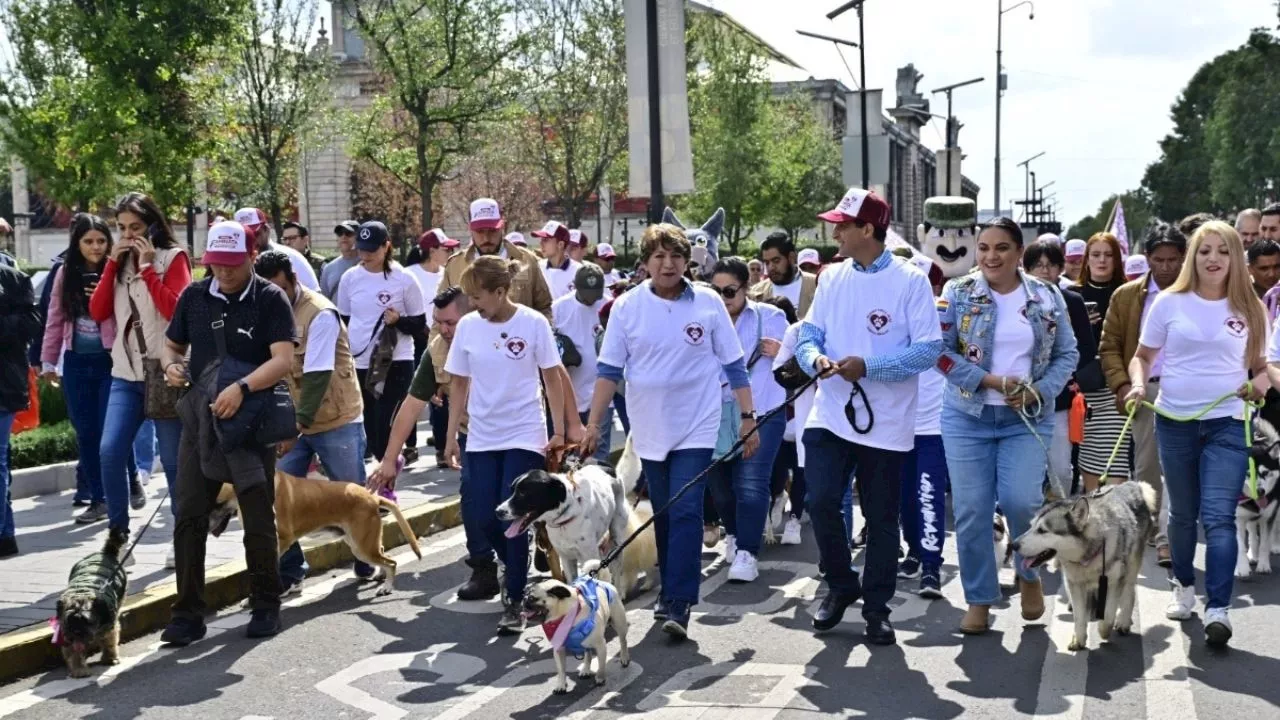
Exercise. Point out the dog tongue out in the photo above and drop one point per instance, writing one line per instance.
(515, 528)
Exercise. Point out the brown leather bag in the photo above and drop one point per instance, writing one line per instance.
(159, 399)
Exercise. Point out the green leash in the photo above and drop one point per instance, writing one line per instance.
(1251, 487)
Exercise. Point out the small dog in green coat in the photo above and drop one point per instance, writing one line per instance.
(88, 614)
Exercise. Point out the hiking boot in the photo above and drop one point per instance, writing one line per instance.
(511, 622)
(264, 623)
(1032, 599)
(96, 512)
(483, 584)
(137, 495)
(909, 568)
(182, 631)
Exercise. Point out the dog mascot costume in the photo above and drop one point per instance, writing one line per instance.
(705, 240)
(949, 234)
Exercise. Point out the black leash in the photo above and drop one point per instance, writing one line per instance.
(851, 413)
(143, 531)
(733, 451)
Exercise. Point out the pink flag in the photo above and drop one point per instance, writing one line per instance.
(1118, 228)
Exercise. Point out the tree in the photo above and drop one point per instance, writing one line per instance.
(804, 165)
(519, 188)
(275, 90)
(447, 65)
(1242, 135)
(575, 65)
(1138, 215)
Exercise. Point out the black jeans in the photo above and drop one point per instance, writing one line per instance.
(829, 461)
(196, 495)
(380, 411)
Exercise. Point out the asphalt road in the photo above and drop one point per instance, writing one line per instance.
(421, 654)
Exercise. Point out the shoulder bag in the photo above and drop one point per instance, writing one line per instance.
(159, 399)
(271, 417)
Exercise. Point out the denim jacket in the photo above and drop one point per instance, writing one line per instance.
(968, 316)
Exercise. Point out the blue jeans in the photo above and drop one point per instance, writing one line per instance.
(7, 529)
(86, 385)
(924, 500)
(740, 487)
(606, 435)
(144, 446)
(992, 457)
(341, 454)
(439, 425)
(124, 417)
(488, 483)
(620, 404)
(679, 530)
(1204, 465)
(829, 463)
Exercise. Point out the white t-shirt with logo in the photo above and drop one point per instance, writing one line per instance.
(429, 283)
(930, 387)
(580, 323)
(869, 315)
(1013, 340)
(504, 361)
(1204, 343)
(671, 352)
(804, 403)
(791, 291)
(364, 295)
(766, 393)
(560, 279)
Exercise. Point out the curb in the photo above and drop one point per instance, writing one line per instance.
(30, 650)
(43, 480)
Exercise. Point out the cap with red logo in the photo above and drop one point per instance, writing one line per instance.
(860, 205)
(577, 237)
(251, 219)
(485, 214)
(227, 244)
(435, 238)
(808, 256)
(605, 250)
(555, 230)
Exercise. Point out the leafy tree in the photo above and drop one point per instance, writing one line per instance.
(1242, 135)
(1138, 214)
(804, 165)
(520, 188)
(576, 92)
(447, 64)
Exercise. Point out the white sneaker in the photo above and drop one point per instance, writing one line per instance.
(791, 534)
(144, 477)
(730, 549)
(1217, 626)
(1184, 601)
(744, 568)
(170, 560)
(776, 513)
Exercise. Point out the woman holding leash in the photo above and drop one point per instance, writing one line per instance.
(672, 339)
(505, 348)
(1008, 352)
(1212, 329)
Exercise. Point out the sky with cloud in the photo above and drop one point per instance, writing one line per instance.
(1090, 81)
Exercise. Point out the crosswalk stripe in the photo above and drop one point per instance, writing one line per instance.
(1167, 686)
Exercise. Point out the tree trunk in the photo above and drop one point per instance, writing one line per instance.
(426, 183)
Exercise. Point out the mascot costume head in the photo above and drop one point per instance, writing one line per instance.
(705, 240)
(949, 234)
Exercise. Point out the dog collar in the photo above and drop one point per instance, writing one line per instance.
(557, 522)
(1102, 546)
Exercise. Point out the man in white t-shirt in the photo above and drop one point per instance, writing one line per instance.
(871, 331)
(577, 246)
(785, 278)
(576, 316)
(256, 224)
(557, 266)
(605, 258)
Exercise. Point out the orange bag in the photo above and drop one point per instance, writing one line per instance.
(29, 419)
(1075, 419)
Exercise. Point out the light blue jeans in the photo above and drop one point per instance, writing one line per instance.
(341, 454)
(991, 458)
(740, 488)
(124, 418)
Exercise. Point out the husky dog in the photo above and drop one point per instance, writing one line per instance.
(1098, 540)
(1256, 519)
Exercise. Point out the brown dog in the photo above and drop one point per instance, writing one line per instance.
(305, 505)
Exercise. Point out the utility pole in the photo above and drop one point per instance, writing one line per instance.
(862, 86)
(1001, 80)
(656, 201)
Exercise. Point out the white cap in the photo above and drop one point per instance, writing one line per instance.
(575, 237)
(1050, 237)
(516, 238)
(605, 250)
(227, 244)
(1074, 248)
(808, 255)
(1135, 265)
(485, 214)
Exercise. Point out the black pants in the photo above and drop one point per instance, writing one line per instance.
(380, 411)
(196, 495)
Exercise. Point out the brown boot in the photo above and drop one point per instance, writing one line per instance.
(1032, 599)
(977, 620)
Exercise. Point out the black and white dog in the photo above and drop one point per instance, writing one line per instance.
(1256, 519)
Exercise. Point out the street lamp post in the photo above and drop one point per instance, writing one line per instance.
(951, 133)
(1000, 78)
(862, 86)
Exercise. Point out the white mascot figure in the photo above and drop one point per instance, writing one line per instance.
(949, 234)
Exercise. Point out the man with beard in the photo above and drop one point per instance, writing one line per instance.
(1249, 226)
(529, 287)
(785, 279)
(1264, 265)
(1269, 227)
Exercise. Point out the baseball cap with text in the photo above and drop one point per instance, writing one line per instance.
(555, 230)
(808, 256)
(251, 219)
(227, 244)
(588, 284)
(1135, 266)
(516, 238)
(1074, 249)
(860, 205)
(577, 237)
(485, 214)
(435, 238)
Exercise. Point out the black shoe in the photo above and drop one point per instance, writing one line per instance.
(860, 540)
(880, 632)
(931, 583)
(410, 455)
(511, 622)
(264, 623)
(909, 568)
(8, 547)
(831, 612)
(80, 502)
(483, 584)
(660, 610)
(183, 631)
(137, 495)
(96, 512)
(677, 622)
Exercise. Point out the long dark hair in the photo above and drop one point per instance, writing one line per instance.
(75, 303)
(159, 231)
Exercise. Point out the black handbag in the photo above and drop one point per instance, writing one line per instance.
(268, 414)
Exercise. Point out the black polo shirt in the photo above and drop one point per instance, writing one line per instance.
(256, 317)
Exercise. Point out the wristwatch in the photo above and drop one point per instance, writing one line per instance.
(244, 387)
(748, 416)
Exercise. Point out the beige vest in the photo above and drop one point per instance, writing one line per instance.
(529, 288)
(126, 364)
(342, 402)
(808, 287)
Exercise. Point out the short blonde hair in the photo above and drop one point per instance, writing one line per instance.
(664, 235)
(489, 273)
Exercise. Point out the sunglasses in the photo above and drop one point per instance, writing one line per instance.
(727, 293)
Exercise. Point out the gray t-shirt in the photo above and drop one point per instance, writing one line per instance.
(332, 273)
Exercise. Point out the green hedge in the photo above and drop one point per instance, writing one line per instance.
(45, 445)
(53, 404)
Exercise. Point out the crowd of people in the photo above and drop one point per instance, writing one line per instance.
(784, 385)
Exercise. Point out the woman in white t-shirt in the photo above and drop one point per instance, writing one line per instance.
(426, 264)
(1008, 350)
(509, 351)
(1212, 329)
(672, 339)
(377, 298)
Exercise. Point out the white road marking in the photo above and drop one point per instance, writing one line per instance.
(453, 668)
(1168, 687)
(668, 702)
(1064, 674)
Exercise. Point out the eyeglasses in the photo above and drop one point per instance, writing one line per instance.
(727, 293)
(1044, 265)
(290, 237)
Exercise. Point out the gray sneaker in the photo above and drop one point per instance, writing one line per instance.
(510, 623)
(96, 512)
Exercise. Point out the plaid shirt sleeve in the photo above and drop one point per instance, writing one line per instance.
(904, 364)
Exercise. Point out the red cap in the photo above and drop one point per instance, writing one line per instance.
(555, 230)
(435, 238)
(485, 214)
(227, 244)
(577, 237)
(251, 219)
(861, 206)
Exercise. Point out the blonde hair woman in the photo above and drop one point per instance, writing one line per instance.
(1212, 329)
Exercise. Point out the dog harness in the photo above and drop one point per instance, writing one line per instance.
(567, 631)
(99, 575)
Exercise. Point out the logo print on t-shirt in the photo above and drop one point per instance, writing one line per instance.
(1023, 312)
(516, 347)
(1236, 326)
(693, 333)
(384, 298)
(878, 322)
